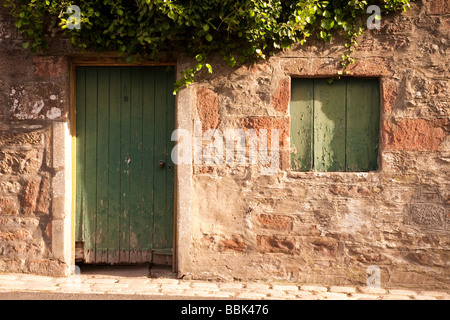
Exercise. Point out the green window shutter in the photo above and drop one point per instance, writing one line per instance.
(363, 119)
(334, 127)
(302, 99)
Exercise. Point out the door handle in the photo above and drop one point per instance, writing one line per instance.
(161, 164)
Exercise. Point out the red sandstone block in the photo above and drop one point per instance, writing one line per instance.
(8, 206)
(277, 222)
(233, 244)
(389, 94)
(50, 66)
(414, 134)
(282, 96)
(19, 234)
(30, 196)
(208, 108)
(269, 123)
(276, 244)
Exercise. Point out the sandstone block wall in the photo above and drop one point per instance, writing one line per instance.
(33, 106)
(330, 227)
(233, 222)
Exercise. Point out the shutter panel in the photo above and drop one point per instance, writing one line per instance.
(335, 127)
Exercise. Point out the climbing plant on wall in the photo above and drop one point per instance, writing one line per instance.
(241, 31)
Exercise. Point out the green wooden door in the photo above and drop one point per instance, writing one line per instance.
(124, 199)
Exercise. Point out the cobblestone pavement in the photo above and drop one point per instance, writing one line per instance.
(165, 284)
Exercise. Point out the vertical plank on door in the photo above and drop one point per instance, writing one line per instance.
(161, 152)
(90, 181)
(137, 229)
(80, 149)
(148, 144)
(363, 118)
(301, 111)
(114, 129)
(124, 227)
(101, 240)
(170, 118)
(329, 125)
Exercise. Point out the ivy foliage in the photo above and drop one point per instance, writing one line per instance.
(241, 31)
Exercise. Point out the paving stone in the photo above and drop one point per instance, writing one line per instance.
(132, 281)
(215, 290)
(109, 286)
(8, 277)
(372, 290)
(402, 292)
(143, 289)
(314, 288)
(421, 297)
(257, 286)
(251, 295)
(173, 291)
(335, 296)
(396, 297)
(201, 293)
(41, 287)
(178, 286)
(41, 279)
(304, 294)
(145, 286)
(337, 289)
(285, 287)
(150, 293)
(100, 280)
(221, 294)
(205, 285)
(75, 288)
(164, 281)
(311, 297)
(190, 293)
(433, 293)
(231, 285)
(277, 293)
(365, 296)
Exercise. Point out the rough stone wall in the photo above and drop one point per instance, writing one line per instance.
(308, 227)
(34, 98)
(330, 227)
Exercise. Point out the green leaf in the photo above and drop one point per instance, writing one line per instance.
(327, 24)
(147, 28)
(25, 45)
(200, 57)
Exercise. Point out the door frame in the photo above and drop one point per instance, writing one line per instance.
(111, 61)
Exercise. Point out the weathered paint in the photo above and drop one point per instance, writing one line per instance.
(335, 127)
(124, 200)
